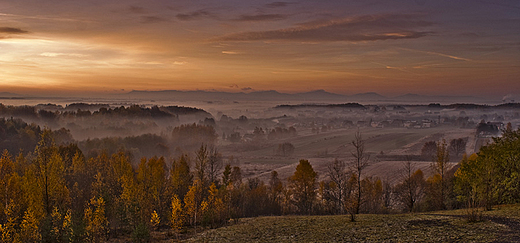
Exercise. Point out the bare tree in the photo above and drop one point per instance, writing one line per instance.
(411, 189)
(214, 165)
(457, 147)
(339, 176)
(201, 163)
(361, 161)
(429, 150)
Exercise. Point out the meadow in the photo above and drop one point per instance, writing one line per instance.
(499, 225)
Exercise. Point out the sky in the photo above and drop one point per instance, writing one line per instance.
(392, 47)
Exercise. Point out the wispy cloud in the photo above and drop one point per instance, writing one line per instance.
(40, 17)
(230, 52)
(11, 30)
(57, 54)
(261, 17)
(278, 4)
(195, 15)
(438, 54)
(360, 28)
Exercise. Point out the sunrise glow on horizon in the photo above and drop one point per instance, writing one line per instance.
(389, 47)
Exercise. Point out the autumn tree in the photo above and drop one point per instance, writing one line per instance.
(151, 177)
(474, 185)
(302, 185)
(256, 198)
(372, 194)
(440, 166)
(193, 201)
(411, 189)
(351, 196)
(10, 186)
(29, 229)
(96, 223)
(235, 198)
(49, 171)
(177, 215)
(180, 177)
(213, 208)
(504, 155)
(493, 175)
(276, 189)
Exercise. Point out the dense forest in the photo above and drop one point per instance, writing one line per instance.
(56, 193)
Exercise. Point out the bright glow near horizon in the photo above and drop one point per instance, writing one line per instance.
(462, 48)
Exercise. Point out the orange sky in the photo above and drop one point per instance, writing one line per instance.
(389, 47)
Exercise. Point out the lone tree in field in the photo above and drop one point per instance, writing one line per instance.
(302, 185)
(429, 150)
(457, 147)
(361, 159)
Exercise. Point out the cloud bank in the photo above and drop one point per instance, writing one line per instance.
(355, 29)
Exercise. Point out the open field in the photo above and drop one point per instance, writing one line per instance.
(499, 225)
(320, 149)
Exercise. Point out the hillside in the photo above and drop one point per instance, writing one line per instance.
(499, 225)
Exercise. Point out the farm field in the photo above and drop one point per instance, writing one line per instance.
(320, 149)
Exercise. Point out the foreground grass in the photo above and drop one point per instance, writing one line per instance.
(368, 228)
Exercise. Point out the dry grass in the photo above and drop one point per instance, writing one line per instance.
(368, 228)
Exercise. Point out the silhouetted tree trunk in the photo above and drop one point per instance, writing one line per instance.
(360, 162)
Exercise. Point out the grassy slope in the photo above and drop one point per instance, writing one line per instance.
(445, 226)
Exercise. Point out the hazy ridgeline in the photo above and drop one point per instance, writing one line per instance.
(145, 168)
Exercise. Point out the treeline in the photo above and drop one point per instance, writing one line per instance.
(51, 111)
(16, 135)
(492, 176)
(56, 194)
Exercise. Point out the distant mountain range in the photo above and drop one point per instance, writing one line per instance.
(272, 95)
(315, 96)
(9, 95)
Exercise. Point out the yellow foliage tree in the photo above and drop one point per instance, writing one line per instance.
(155, 220)
(29, 230)
(96, 221)
(192, 202)
(177, 217)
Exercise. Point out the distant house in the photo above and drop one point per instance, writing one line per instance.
(408, 124)
(426, 125)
